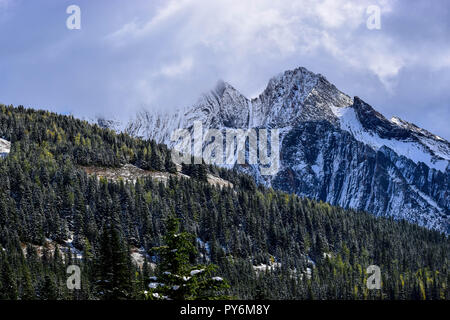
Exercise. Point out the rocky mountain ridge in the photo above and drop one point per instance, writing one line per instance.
(333, 147)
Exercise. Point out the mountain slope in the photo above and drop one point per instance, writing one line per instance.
(335, 167)
(387, 167)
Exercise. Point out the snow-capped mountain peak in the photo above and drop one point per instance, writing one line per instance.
(333, 147)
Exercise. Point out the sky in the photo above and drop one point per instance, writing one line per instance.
(160, 55)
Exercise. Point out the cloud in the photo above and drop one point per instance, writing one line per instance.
(132, 31)
(247, 42)
(163, 54)
(178, 68)
(237, 31)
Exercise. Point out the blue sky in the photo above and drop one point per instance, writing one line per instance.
(159, 55)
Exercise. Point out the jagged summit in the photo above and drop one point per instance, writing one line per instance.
(222, 87)
(298, 79)
(290, 97)
(293, 97)
(297, 95)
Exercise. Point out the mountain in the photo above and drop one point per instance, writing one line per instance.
(334, 148)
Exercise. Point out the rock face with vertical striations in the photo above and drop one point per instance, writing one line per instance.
(333, 147)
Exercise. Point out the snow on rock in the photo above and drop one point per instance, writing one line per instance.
(139, 255)
(217, 278)
(154, 285)
(267, 267)
(51, 245)
(217, 181)
(194, 272)
(414, 150)
(327, 255)
(75, 252)
(127, 172)
(130, 173)
(437, 145)
(204, 246)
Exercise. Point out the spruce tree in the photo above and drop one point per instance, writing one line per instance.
(8, 285)
(112, 267)
(178, 278)
(169, 165)
(155, 160)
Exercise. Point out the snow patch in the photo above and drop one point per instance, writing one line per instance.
(412, 150)
(194, 272)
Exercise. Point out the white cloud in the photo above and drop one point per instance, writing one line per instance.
(386, 67)
(133, 31)
(236, 31)
(177, 68)
(194, 42)
(337, 13)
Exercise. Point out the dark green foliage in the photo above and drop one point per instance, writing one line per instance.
(195, 171)
(169, 165)
(113, 265)
(8, 281)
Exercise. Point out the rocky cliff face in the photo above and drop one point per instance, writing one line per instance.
(333, 148)
(324, 162)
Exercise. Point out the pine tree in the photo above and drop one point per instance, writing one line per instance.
(169, 165)
(112, 267)
(49, 289)
(8, 285)
(27, 286)
(155, 160)
(178, 279)
(122, 287)
(104, 272)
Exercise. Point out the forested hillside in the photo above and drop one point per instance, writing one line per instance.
(267, 244)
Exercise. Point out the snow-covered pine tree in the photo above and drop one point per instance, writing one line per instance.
(177, 278)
